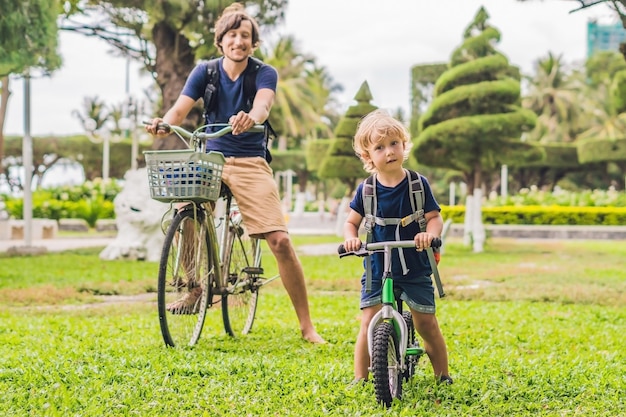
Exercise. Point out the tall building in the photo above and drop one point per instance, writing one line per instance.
(602, 37)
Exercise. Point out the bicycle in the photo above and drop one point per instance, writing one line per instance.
(391, 338)
(198, 268)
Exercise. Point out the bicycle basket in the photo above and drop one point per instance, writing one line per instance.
(184, 175)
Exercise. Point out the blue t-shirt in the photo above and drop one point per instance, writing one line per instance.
(230, 101)
(395, 202)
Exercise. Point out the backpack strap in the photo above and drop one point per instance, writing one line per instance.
(212, 78)
(249, 81)
(370, 207)
(249, 92)
(417, 201)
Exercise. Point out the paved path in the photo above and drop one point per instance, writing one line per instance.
(316, 224)
(53, 245)
(307, 224)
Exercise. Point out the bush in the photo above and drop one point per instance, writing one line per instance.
(89, 201)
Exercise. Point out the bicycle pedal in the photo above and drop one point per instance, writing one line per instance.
(415, 351)
(253, 271)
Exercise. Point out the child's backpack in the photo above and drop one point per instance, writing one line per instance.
(249, 92)
(417, 198)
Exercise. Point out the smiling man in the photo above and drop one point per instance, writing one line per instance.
(246, 172)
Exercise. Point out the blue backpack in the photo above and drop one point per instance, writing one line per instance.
(417, 198)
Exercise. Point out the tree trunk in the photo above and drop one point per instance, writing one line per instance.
(174, 61)
(4, 101)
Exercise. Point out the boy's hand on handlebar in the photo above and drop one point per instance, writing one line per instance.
(423, 240)
(352, 244)
(157, 127)
(241, 122)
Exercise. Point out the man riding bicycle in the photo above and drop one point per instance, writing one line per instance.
(246, 171)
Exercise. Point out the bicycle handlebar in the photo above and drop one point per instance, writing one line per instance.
(369, 248)
(201, 136)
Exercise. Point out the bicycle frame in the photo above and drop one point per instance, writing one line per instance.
(230, 217)
(389, 311)
(198, 140)
(231, 275)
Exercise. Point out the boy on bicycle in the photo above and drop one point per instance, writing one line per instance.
(246, 171)
(383, 144)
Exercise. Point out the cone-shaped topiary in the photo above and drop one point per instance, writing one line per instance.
(340, 161)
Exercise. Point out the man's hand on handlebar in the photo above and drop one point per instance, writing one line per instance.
(157, 127)
(241, 122)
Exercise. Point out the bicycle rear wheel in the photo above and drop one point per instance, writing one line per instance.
(386, 364)
(242, 270)
(186, 277)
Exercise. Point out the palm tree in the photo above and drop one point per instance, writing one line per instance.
(554, 95)
(94, 110)
(301, 95)
(603, 120)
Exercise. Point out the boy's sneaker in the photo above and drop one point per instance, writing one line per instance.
(187, 304)
(445, 379)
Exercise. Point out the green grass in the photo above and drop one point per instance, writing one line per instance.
(532, 327)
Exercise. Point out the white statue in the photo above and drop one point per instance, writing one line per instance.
(138, 218)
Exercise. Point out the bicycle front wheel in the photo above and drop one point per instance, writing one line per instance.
(386, 365)
(242, 269)
(411, 360)
(186, 277)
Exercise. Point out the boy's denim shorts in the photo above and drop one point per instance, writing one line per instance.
(417, 292)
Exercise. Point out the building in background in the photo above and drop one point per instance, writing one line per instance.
(604, 37)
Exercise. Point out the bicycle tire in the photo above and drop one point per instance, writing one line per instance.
(386, 364)
(180, 275)
(411, 360)
(241, 270)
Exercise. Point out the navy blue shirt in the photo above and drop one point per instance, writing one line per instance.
(395, 202)
(230, 100)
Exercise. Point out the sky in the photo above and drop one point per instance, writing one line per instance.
(356, 40)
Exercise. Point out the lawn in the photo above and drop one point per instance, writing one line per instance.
(533, 328)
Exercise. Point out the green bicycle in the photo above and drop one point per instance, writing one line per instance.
(391, 338)
(200, 267)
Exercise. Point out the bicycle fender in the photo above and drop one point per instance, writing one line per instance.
(398, 323)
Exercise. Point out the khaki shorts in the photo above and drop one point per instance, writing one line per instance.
(251, 181)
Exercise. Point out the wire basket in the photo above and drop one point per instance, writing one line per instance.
(184, 175)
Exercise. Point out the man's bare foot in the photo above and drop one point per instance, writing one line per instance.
(312, 337)
(187, 304)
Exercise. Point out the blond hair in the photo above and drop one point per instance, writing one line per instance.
(231, 18)
(375, 127)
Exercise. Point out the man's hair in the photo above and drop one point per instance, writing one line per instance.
(231, 18)
(373, 128)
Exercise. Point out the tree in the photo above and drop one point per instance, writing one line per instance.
(340, 161)
(602, 66)
(554, 96)
(605, 140)
(574, 105)
(29, 41)
(423, 78)
(474, 122)
(301, 94)
(169, 36)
